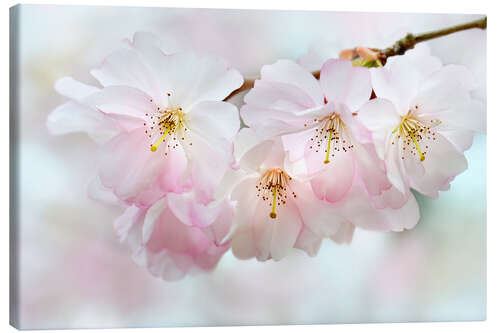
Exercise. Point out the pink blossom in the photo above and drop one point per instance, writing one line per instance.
(318, 126)
(275, 211)
(176, 235)
(161, 116)
(422, 121)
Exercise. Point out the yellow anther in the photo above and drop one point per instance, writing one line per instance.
(153, 148)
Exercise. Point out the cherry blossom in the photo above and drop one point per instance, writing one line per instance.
(422, 121)
(275, 211)
(161, 116)
(176, 235)
(318, 126)
(321, 157)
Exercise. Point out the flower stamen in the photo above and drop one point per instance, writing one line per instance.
(275, 183)
(273, 210)
(334, 131)
(166, 125)
(327, 158)
(413, 130)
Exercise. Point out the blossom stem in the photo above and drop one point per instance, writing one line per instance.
(399, 48)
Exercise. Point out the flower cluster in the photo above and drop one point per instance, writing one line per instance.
(314, 159)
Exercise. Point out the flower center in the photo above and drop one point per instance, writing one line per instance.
(413, 131)
(273, 188)
(332, 130)
(165, 126)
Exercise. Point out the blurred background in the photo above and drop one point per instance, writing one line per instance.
(74, 273)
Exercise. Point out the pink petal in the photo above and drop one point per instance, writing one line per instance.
(152, 215)
(344, 84)
(319, 216)
(345, 234)
(192, 79)
(442, 163)
(128, 166)
(271, 108)
(397, 82)
(357, 209)
(122, 100)
(206, 165)
(74, 117)
(73, 89)
(371, 169)
(422, 60)
(308, 241)
(380, 117)
(190, 212)
(123, 223)
(126, 68)
(333, 182)
(217, 122)
(286, 71)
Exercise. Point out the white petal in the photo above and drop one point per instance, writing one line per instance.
(122, 100)
(74, 117)
(124, 222)
(217, 122)
(345, 234)
(151, 217)
(442, 163)
(285, 230)
(126, 68)
(71, 88)
(343, 83)
(286, 71)
(321, 217)
(380, 117)
(308, 241)
(190, 212)
(398, 83)
(191, 79)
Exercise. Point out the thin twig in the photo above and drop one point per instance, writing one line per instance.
(410, 40)
(399, 48)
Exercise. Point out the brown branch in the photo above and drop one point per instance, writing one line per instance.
(399, 48)
(410, 40)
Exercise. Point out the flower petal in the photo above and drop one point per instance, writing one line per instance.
(73, 89)
(122, 100)
(333, 182)
(343, 83)
(321, 218)
(151, 217)
(190, 212)
(206, 165)
(381, 118)
(397, 82)
(129, 218)
(74, 117)
(289, 72)
(308, 241)
(125, 67)
(442, 163)
(191, 79)
(217, 122)
(345, 234)
(128, 166)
